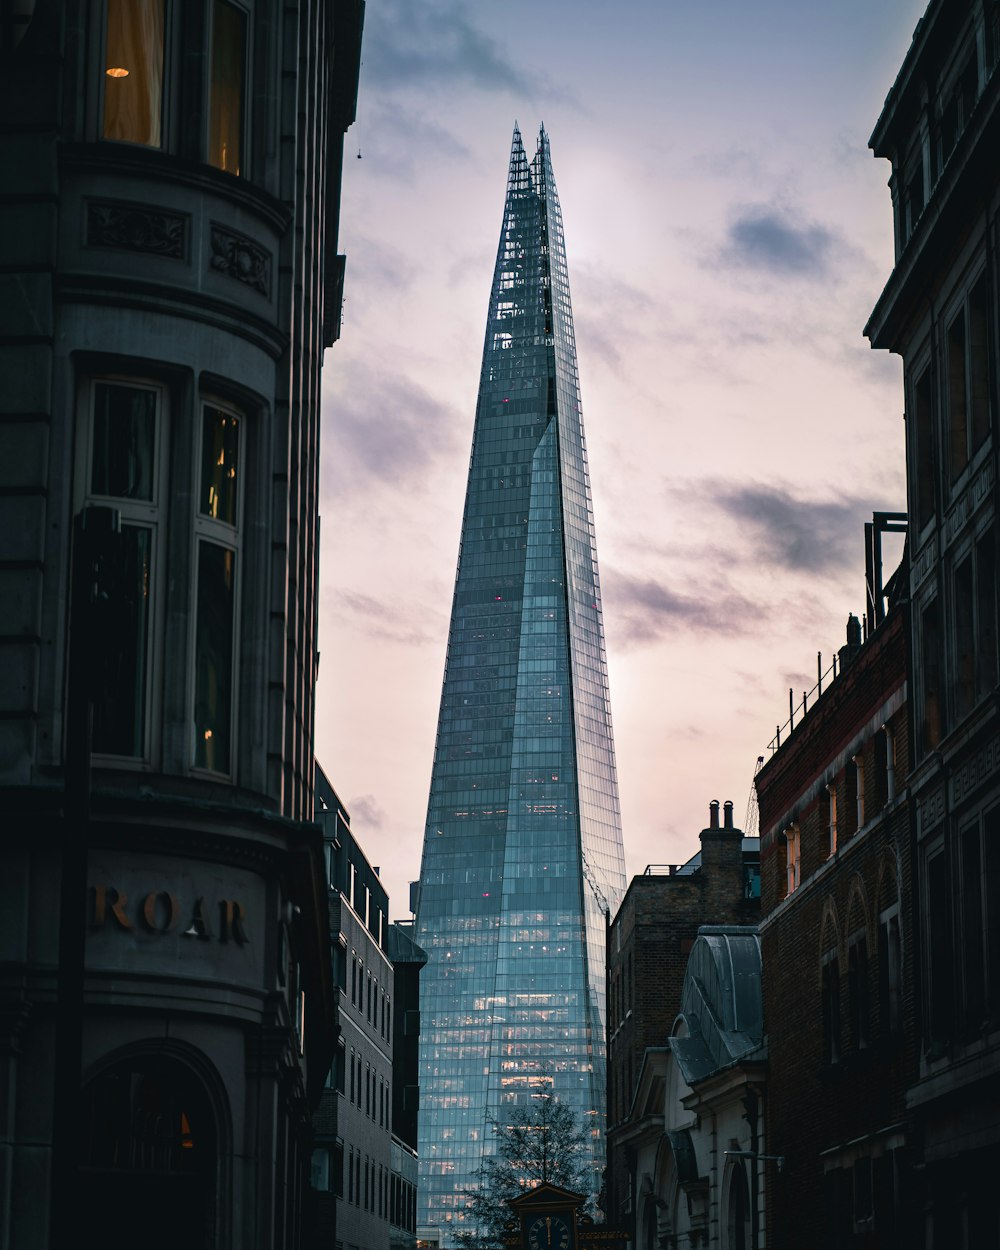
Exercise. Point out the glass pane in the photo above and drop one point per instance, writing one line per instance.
(133, 72)
(124, 441)
(219, 464)
(229, 54)
(120, 706)
(213, 694)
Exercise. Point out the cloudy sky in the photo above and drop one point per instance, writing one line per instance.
(728, 231)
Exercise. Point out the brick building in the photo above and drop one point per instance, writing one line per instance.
(649, 942)
(939, 312)
(837, 944)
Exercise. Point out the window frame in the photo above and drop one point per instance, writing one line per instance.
(831, 821)
(246, 9)
(207, 529)
(793, 859)
(98, 89)
(890, 971)
(858, 996)
(830, 1016)
(860, 814)
(151, 515)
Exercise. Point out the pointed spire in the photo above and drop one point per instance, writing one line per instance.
(517, 178)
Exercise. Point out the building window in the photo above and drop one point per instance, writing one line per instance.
(931, 693)
(958, 432)
(973, 984)
(924, 452)
(831, 824)
(889, 972)
(863, 1205)
(830, 994)
(913, 194)
(148, 1129)
(793, 861)
(320, 1174)
(859, 791)
(939, 964)
(133, 72)
(217, 537)
(887, 759)
(227, 94)
(986, 615)
(738, 1231)
(967, 347)
(857, 988)
(125, 431)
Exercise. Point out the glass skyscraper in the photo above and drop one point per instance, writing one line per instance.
(523, 849)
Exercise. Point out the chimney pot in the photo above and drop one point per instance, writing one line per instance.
(713, 814)
(728, 809)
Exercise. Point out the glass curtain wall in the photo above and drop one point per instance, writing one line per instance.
(523, 849)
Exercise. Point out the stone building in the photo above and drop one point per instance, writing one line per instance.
(837, 941)
(364, 1163)
(697, 1119)
(407, 961)
(170, 278)
(649, 941)
(939, 312)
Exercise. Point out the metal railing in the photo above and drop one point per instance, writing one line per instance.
(809, 698)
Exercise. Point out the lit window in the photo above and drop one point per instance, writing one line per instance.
(133, 72)
(217, 541)
(831, 791)
(229, 56)
(124, 431)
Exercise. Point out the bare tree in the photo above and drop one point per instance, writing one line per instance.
(534, 1145)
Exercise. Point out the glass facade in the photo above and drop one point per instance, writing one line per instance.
(523, 849)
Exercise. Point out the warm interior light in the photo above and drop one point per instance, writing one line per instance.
(116, 71)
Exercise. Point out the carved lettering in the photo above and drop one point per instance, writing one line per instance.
(160, 912)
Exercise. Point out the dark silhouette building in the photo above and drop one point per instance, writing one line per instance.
(837, 940)
(939, 312)
(649, 942)
(522, 853)
(170, 277)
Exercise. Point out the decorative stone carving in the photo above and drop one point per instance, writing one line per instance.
(241, 258)
(136, 228)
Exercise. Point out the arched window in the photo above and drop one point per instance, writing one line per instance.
(150, 1152)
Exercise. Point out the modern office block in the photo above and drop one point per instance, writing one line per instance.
(523, 853)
